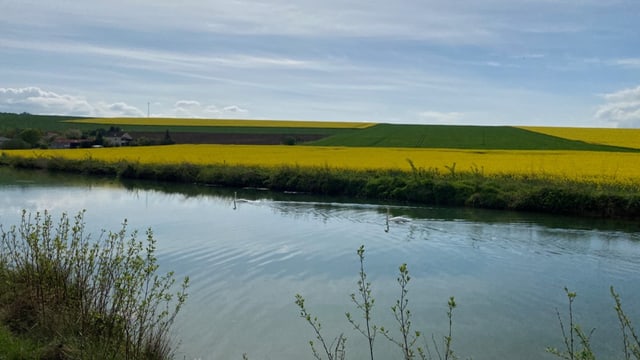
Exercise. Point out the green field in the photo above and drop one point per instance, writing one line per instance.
(44, 122)
(459, 137)
(60, 123)
(380, 135)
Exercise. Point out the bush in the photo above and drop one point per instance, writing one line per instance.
(90, 298)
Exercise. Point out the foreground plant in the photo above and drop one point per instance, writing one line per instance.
(90, 298)
(364, 301)
(573, 350)
(630, 339)
(402, 315)
(577, 343)
(334, 350)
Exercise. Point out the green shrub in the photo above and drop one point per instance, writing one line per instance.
(90, 298)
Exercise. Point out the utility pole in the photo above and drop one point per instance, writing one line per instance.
(148, 109)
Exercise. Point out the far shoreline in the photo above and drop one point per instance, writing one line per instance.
(417, 187)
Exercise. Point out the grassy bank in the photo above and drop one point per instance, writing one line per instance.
(416, 186)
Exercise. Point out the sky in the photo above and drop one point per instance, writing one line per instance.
(458, 62)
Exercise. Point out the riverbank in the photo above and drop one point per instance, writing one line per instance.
(418, 186)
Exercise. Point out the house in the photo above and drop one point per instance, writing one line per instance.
(67, 144)
(117, 139)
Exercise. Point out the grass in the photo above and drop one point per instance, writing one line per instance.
(13, 347)
(10, 121)
(459, 137)
(44, 122)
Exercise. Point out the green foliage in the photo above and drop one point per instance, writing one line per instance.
(91, 298)
(577, 343)
(364, 301)
(12, 347)
(289, 140)
(15, 144)
(334, 350)
(402, 314)
(575, 333)
(630, 339)
(166, 140)
(75, 134)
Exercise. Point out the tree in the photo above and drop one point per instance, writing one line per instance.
(31, 136)
(167, 139)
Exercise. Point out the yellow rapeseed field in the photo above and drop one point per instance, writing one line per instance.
(607, 167)
(629, 138)
(224, 122)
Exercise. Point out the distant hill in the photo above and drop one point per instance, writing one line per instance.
(378, 135)
(460, 137)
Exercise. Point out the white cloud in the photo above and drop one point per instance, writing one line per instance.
(234, 109)
(441, 117)
(423, 19)
(117, 109)
(212, 109)
(35, 100)
(195, 109)
(187, 104)
(621, 107)
(629, 63)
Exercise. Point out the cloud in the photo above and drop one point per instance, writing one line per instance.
(187, 104)
(441, 117)
(621, 107)
(35, 100)
(195, 109)
(117, 109)
(424, 19)
(38, 101)
(628, 63)
(234, 109)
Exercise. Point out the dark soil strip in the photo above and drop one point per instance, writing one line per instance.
(244, 139)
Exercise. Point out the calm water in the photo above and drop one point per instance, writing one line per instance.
(507, 271)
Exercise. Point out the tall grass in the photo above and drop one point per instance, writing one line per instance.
(79, 297)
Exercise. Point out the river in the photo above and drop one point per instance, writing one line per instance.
(247, 260)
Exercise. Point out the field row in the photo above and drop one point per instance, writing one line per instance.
(223, 123)
(598, 166)
(603, 136)
(361, 134)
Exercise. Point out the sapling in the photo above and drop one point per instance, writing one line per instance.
(364, 302)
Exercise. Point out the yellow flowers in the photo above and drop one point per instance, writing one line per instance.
(629, 138)
(609, 167)
(225, 122)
